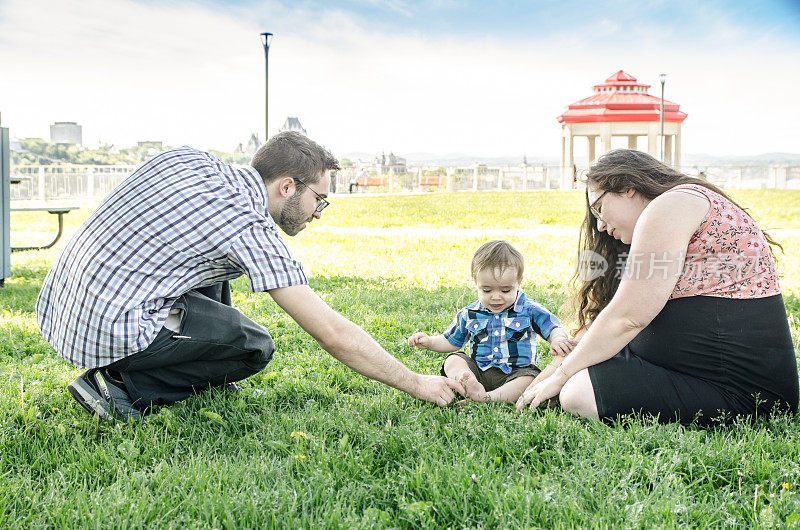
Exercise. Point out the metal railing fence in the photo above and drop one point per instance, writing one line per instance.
(91, 183)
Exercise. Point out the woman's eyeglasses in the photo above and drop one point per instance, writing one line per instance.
(593, 206)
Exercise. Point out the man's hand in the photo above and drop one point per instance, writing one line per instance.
(420, 339)
(560, 343)
(437, 389)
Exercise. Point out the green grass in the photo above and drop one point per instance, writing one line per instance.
(370, 456)
(772, 208)
(461, 210)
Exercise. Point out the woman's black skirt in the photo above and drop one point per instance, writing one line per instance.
(703, 359)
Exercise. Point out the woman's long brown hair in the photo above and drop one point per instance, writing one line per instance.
(617, 172)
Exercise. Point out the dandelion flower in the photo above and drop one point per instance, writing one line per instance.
(299, 457)
(786, 485)
(299, 434)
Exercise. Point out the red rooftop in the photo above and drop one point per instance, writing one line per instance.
(621, 98)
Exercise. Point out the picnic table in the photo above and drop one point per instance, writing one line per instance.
(60, 211)
(6, 180)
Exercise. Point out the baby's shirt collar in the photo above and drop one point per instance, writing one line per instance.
(519, 303)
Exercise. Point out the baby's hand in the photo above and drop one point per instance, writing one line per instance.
(563, 347)
(420, 339)
(560, 343)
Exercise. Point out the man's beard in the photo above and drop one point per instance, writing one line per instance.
(291, 218)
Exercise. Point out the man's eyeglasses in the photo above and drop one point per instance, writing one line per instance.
(321, 202)
(593, 208)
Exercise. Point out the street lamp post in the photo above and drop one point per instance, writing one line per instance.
(266, 39)
(663, 78)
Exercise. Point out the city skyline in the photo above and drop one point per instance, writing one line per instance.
(365, 76)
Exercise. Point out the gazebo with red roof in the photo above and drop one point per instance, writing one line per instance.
(619, 107)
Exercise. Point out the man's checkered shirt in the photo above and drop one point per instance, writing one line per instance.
(504, 340)
(181, 221)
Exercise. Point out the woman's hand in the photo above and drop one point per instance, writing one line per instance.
(538, 393)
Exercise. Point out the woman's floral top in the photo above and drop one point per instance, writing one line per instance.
(728, 255)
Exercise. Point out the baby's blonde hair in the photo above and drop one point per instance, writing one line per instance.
(497, 254)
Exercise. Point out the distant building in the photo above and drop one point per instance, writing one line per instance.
(293, 124)
(66, 132)
(384, 162)
(151, 144)
(252, 144)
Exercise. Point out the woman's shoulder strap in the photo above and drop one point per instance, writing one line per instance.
(693, 189)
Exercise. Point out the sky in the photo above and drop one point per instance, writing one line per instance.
(439, 76)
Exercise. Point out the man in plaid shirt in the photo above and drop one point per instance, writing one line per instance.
(140, 296)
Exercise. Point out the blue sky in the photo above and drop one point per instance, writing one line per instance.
(482, 78)
(525, 19)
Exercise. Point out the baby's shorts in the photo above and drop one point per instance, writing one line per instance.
(493, 377)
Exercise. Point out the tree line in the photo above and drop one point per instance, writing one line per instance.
(36, 151)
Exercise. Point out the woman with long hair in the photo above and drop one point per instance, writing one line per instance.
(685, 320)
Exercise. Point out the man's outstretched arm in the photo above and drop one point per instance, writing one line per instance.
(354, 347)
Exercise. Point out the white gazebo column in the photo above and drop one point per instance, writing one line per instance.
(631, 141)
(605, 137)
(668, 149)
(652, 139)
(677, 164)
(567, 159)
(590, 145)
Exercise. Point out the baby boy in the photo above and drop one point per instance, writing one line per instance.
(501, 327)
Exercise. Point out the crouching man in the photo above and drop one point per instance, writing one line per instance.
(140, 296)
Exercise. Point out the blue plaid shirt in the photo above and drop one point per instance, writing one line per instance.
(504, 340)
(182, 221)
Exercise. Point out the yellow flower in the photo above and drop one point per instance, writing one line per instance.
(299, 434)
(786, 485)
(299, 457)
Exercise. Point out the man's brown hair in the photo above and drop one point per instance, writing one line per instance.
(497, 254)
(292, 154)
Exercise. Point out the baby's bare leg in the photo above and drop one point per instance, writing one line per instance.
(511, 391)
(457, 369)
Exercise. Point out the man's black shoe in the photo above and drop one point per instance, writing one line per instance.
(99, 394)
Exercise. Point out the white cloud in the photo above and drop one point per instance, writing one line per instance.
(128, 71)
(189, 73)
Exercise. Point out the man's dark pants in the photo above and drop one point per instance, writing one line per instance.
(216, 345)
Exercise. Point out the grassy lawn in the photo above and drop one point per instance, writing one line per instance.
(324, 447)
